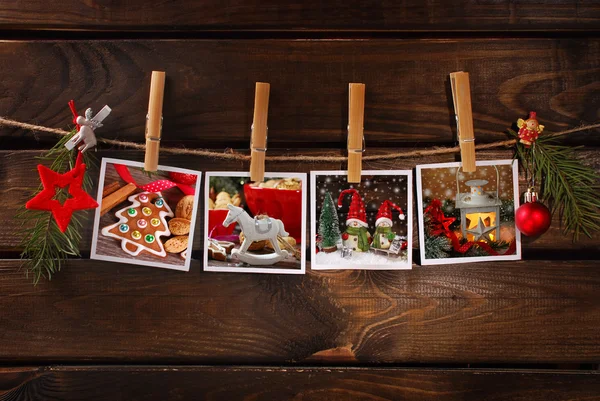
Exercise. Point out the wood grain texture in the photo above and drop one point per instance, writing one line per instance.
(19, 179)
(389, 15)
(508, 312)
(538, 311)
(232, 383)
(210, 87)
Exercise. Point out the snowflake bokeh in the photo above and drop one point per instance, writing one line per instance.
(440, 183)
(374, 189)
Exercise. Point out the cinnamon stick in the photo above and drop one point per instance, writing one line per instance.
(109, 189)
(116, 197)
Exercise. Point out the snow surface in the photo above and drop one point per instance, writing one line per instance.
(362, 259)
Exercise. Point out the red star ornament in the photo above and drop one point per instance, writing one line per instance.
(439, 222)
(442, 225)
(447, 221)
(50, 180)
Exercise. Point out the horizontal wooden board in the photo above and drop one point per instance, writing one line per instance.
(438, 15)
(231, 383)
(19, 180)
(210, 87)
(504, 312)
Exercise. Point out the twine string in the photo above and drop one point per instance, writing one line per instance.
(231, 155)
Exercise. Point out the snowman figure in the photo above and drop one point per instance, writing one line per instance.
(356, 237)
(383, 236)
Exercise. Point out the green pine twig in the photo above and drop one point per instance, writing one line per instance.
(437, 247)
(44, 247)
(569, 186)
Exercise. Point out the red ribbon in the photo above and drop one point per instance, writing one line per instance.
(440, 225)
(71, 104)
(155, 186)
(75, 115)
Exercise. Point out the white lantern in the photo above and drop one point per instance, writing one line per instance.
(479, 210)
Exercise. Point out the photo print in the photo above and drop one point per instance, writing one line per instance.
(361, 226)
(468, 217)
(145, 218)
(255, 227)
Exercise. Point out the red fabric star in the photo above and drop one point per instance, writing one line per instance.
(439, 222)
(50, 180)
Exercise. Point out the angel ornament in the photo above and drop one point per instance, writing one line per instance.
(529, 129)
(87, 125)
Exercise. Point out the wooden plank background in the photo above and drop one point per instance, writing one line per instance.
(295, 15)
(210, 87)
(337, 334)
(231, 383)
(512, 312)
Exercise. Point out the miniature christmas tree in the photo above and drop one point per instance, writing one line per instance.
(141, 224)
(329, 226)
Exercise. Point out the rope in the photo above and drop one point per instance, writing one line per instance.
(231, 155)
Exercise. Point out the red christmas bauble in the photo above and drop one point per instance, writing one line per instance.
(345, 236)
(533, 219)
(183, 178)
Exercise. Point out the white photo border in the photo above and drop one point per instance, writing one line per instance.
(230, 269)
(188, 259)
(313, 220)
(451, 261)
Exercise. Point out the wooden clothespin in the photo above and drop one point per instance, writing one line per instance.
(154, 120)
(258, 142)
(461, 95)
(356, 139)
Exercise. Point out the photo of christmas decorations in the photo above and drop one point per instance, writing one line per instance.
(468, 216)
(145, 218)
(361, 226)
(255, 226)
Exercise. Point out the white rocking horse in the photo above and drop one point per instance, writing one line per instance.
(256, 230)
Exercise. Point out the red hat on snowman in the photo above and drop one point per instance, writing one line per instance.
(357, 213)
(385, 212)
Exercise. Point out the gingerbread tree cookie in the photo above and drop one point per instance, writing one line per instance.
(141, 224)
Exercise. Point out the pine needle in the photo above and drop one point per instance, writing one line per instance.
(44, 247)
(570, 187)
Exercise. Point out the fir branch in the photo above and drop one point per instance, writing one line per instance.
(507, 210)
(44, 247)
(569, 186)
(476, 250)
(437, 247)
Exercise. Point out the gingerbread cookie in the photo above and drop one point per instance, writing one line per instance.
(177, 244)
(179, 226)
(141, 224)
(219, 250)
(290, 241)
(185, 207)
